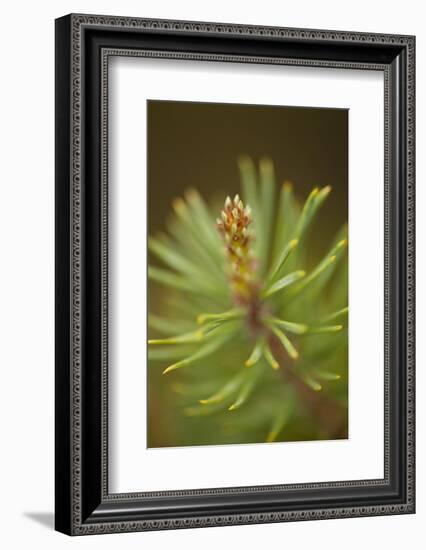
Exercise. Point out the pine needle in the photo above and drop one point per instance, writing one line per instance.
(225, 391)
(325, 375)
(270, 358)
(336, 314)
(288, 346)
(245, 391)
(305, 216)
(282, 259)
(312, 205)
(213, 345)
(281, 419)
(256, 354)
(284, 282)
(267, 188)
(188, 338)
(249, 182)
(288, 215)
(325, 329)
(220, 317)
(295, 328)
(313, 384)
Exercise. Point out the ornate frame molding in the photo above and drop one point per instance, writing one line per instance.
(73, 504)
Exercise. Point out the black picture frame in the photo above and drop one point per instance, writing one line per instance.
(83, 46)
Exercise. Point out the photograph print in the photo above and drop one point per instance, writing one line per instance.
(247, 274)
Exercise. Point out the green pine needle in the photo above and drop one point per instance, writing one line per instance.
(288, 346)
(270, 358)
(212, 346)
(284, 282)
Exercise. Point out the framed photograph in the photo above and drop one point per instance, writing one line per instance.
(234, 274)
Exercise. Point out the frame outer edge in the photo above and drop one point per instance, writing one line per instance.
(63, 495)
(77, 23)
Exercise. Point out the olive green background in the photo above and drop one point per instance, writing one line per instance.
(197, 145)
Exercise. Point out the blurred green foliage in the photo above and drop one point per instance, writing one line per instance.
(273, 367)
